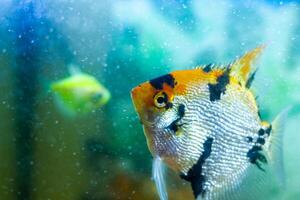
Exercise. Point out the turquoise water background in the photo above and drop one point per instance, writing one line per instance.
(103, 155)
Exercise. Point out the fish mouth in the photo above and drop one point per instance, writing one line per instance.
(146, 116)
(136, 97)
(137, 100)
(134, 92)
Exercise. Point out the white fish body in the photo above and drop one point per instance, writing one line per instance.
(205, 125)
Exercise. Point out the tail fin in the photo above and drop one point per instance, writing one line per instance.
(275, 146)
(158, 175)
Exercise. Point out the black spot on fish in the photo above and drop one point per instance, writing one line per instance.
(215, 90)
(169, 105)
(261, 132)
(259, 113)
(157, 83)
(249, 139)
(207, 68)
(194, 175)
(250, 80)
(174, 126)
(181, 110)
(260, 141)
(255, 156)
(268, 130)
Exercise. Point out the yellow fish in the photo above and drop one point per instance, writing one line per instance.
(80, 93)
(204, 123)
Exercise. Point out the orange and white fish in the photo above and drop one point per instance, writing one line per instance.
(204, 123)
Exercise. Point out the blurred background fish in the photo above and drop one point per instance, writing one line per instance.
(80, 93)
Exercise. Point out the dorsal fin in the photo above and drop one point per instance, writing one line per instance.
(242, 68)
(211, 66)
(206, 68)
(74, 69)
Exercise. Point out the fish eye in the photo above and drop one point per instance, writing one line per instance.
(97, 97)
(160, 99)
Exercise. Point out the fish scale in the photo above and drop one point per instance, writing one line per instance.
(221, 125)
(230, 139)
(231, 132)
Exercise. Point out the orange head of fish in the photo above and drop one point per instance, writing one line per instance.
(153, 101)
(153, 98)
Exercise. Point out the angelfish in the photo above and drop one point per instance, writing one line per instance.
(204, 124)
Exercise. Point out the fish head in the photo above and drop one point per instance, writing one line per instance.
(151, 104)
(155, 108)
(99, 96)
(161, 104)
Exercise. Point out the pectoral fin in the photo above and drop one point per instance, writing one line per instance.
(158, 175)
